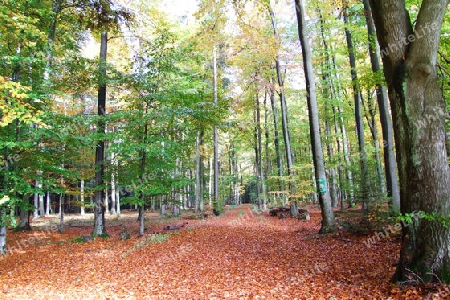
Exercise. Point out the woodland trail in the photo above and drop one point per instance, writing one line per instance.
(240, 255)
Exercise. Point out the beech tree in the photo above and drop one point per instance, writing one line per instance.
(409, 52)
(328, 221)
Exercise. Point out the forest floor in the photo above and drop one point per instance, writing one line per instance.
(242, 254)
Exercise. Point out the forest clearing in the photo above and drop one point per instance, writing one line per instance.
(242, 254)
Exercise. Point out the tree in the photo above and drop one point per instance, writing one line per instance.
(409, 56)
(99, 209)
(390, 163)
(328, 221)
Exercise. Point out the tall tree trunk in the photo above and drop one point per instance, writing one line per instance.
(259, 161)
(235, 170)
(142, 173)
(82, 192)
(268, 165)
(418, 114)
(284, 121)
(328, 220)
(276, 135)
(364, 179)
(390, 163)
(341, 164)
(217, 205)
(2, 230)
(113, 186)
(336, 90)
(326, 68)
(99, 208)
(47, 207)
(198, 177)
(211, 180)
(61, 212)
(370, 114)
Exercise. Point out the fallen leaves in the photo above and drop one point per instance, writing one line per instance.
(241, 255)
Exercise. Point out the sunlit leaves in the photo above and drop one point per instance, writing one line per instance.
(15, 103)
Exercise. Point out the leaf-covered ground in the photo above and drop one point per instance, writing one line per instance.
(240, 255)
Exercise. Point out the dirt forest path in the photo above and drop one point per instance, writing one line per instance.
(240, 255)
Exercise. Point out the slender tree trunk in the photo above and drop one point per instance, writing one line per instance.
(390, 163)
(36, 205)
(113, 186)
(370, 114)
(198, 179)
(47, 208)
(202, 170)
(259, 161)
(99, 208)
(284, 122)
(235, 169)
(82, 192)
(2, 230)
(216, 203)
(211, 179)
(364, 181)
(61, 212)
(268, 165)
(336, 91)
(142, 173)
(276, 136)
(418, 113)
(326, 68)
(328, 221)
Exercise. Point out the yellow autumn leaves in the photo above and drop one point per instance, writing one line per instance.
(14, 103)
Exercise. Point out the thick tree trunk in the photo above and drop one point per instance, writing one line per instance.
(390, 163)
(328, 220)
(99, 208)
(418, 113)
(24, 216)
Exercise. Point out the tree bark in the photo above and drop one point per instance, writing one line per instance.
(364, 179)
(326, 68)
(418, 113)
(82, 192)
(216, 203)
(276, 134)
(2, 230)
(198, 179)
(390, 163)
(99, 208)
(328, 220)
(284, 121)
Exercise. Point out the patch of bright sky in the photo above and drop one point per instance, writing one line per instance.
(178, 11)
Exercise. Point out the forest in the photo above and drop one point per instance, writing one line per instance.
(213, 149)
